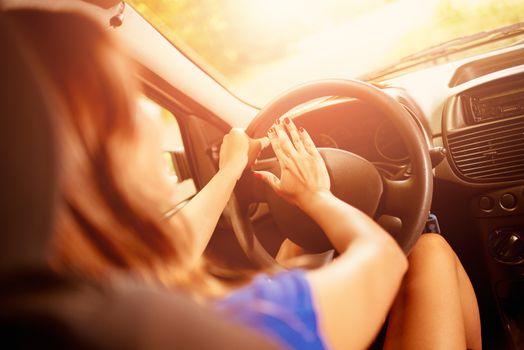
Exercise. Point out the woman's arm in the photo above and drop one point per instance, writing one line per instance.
(354, 293)
(203, 211)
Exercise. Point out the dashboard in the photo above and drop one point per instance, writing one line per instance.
(484, 131)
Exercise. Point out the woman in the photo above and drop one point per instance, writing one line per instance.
(114, 192)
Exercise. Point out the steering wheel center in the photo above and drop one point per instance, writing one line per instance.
(353, 180)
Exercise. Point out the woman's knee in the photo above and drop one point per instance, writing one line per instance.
(431, 261)
(431, 251)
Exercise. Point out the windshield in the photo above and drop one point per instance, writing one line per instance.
(259, 48)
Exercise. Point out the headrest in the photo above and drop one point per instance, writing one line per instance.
(27, 155)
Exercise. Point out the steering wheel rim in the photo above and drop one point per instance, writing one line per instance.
(415, 192)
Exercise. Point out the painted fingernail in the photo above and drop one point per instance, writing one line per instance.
(277, 122)
(287, 120)
(301, 129)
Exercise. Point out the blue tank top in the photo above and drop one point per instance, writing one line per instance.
(279, 306)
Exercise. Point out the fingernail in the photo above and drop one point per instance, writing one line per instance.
(257, 175)
(301, 129)
(277, 122)
(286, 120)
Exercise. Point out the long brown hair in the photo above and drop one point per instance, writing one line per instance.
(113, 190)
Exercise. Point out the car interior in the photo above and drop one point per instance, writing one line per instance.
(447, 139)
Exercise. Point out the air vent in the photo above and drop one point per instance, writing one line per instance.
(490, 152)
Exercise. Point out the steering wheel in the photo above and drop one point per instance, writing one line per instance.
(353, 179)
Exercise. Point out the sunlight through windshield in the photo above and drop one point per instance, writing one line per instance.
(258, 48)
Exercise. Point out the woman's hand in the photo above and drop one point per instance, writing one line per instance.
(303, 171)
(239, 151)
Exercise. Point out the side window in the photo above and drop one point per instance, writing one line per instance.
(173, 152)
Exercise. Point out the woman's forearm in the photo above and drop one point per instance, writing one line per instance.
(203, 211)
(341, 222)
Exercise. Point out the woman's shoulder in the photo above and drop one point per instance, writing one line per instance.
(279, 305)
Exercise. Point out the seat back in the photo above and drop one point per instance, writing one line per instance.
(27, 158)
(27, 195)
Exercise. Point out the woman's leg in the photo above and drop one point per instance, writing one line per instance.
(436, 307)
(470, 309)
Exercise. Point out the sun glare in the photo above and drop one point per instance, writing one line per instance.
(329, 45)
(261, 47)
(277, 13)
